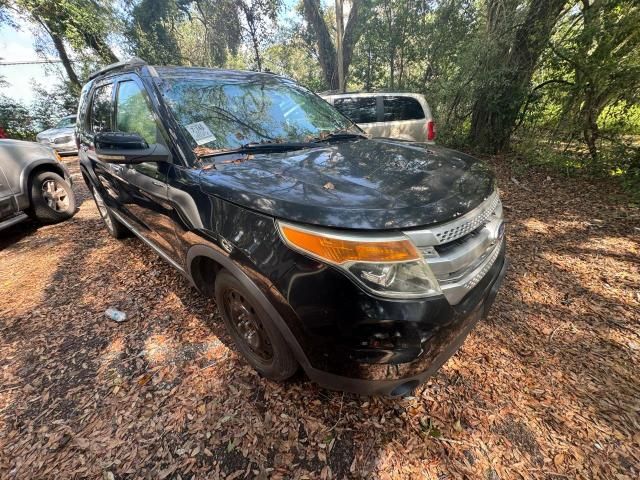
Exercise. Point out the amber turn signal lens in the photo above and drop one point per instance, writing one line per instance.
(342, 250)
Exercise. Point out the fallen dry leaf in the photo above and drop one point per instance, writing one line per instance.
(546, 387)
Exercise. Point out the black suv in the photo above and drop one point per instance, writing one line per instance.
(365, 261)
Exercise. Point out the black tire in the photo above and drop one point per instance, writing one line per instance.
(281, 364)
(115, 228)
(52, 199)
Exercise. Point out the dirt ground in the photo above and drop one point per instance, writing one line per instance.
(548, 387)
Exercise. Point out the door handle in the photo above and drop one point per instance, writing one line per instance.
(116, 168)
(157, 183)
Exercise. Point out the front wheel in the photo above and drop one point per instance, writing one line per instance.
(115, 228)
(52, 199)
(252, 330)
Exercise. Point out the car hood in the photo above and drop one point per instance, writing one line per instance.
(56, 132)
(363, 184)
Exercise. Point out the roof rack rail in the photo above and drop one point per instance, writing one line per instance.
(132, 62)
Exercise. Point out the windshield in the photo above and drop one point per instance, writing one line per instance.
(66, 122)
(227, 113)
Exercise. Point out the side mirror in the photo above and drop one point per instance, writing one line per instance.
(117, 147)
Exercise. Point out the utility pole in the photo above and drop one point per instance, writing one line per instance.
(339, 35)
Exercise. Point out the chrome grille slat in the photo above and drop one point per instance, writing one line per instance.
(463, 256)
(446, 234)
(454, 276)
(459, 258)
(487, 264)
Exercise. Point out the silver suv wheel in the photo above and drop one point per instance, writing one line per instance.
(55, 195)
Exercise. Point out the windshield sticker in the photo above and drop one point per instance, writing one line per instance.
(200, 133)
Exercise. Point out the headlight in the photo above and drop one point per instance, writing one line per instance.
(60, 140)
(388, 265)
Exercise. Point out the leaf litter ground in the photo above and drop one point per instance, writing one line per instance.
(546, 388)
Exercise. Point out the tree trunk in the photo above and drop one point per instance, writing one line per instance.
(256, 50)
(66, 62)
(367, 84)
(100, 47)
(495, 110)
(352, 33)
(326, 48)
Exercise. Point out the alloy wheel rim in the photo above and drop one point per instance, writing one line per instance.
(55, 195)
(102, 209)
(247, 324)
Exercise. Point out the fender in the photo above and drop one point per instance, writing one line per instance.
(243, 278)
(22, 197)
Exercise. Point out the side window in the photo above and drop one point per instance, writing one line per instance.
(83, 104)
(358, 109)
(101, 109)
(402, 108)
(133, 114)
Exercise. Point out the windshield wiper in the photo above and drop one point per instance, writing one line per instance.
(261, 147)
(339, 135)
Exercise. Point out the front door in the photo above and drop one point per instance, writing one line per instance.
(144, 184)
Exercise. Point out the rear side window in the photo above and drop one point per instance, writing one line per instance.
(398, 108)
(133, 114)
(358, 109)
(83, 104)
(101, 109)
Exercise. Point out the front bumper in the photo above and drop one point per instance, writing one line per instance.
(68, 147)
(423, 345)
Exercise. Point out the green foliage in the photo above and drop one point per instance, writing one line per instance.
(15, 119)
(150, 30)
(51, 105)
(183, 32)
(290, 56)
(588, 90)
(84, 24)
(258, 26)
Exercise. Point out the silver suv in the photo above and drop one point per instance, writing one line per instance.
(61, 137)
(405, 116)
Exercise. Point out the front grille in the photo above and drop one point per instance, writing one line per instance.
(466, 224)
(461, 252)
(447, 247)
(60, 140)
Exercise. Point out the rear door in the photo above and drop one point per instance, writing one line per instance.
(403, 117)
